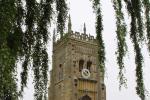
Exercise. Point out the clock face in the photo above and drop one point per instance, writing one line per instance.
(85, 73)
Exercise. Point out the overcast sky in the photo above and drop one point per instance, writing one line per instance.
(81, 11)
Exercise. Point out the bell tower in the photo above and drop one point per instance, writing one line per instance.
(75, 73)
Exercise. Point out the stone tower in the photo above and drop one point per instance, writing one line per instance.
(75, 74)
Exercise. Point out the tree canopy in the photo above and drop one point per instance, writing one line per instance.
(24, 35)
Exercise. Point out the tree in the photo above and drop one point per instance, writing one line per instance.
(29, 44)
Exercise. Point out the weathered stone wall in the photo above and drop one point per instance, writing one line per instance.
(67, 82)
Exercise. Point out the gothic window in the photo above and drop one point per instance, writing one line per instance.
(89, 63)
(60, 72)
(81, 63)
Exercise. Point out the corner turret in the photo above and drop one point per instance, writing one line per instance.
(84, 29)
(69, 25)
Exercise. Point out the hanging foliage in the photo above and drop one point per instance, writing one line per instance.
(40, 56)
(99, 28)
(140, 89)
(146, 4)
(36, 68)
(29, 45)
(19, 39)
(8, 87)
(61, 8)
(28, 39)
(121, 35)
(138, 61)
(136, 8)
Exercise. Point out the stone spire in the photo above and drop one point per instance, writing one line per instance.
(69, 25)
(84, 29)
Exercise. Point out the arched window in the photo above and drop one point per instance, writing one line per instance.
(89, 63)
(60, 72)
(86, 97)
(103, 87)
(81, 63)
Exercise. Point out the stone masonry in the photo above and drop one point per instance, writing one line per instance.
(71, 54)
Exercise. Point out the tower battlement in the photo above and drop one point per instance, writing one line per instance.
(82, 36)
(77, 36)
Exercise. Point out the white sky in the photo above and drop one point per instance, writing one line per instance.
(81, 11)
